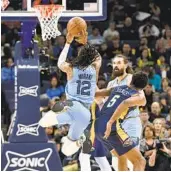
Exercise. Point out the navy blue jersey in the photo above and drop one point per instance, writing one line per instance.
(117, 96)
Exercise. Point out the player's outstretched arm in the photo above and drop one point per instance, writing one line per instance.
(62, 64)
(103, 92)
(138, 100)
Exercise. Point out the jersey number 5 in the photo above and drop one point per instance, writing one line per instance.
(83, 88)
(113, 100)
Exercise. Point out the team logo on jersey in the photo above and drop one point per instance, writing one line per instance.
(30, 91)
(28, 162)
(28, 129)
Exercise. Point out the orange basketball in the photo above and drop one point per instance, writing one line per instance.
(76, 25)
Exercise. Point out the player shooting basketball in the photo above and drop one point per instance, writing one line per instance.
(82, 75)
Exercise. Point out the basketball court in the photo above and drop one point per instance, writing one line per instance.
(28, 147)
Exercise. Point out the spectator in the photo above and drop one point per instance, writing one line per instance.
(59, 45)
(109, 33)
(155, 111)
(165, 108)
(50, 133)
(165, 85)
(128, 31)
(101, 82)
(166, 150)
(126, 51)
(103, 50)
(148, 147)
(145, 59)
(164, 43)
(142, 45)
(149, 30)
(7, 73)
(167, 39)
(155, 10)
(154, 78)
(6, 54)
(162, 67)
(144, 116)
(56, 90)
(159, 128)
(95, 38)
(114, 48)
(150, 96)
(154, 151)
(168, 97)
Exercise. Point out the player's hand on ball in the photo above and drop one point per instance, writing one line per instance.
(108, 130)
(82, 37)
(69, 38)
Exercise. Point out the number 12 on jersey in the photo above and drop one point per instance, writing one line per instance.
(113, 100)
(83, 87)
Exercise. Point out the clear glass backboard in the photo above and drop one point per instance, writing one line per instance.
(93, 10)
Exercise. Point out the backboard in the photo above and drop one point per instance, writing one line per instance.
(90, 10)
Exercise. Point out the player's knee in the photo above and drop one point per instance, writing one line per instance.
(48, 120)
(138, 160)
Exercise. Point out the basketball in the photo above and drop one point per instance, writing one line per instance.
(76, 25)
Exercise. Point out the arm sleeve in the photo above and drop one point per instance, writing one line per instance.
(63, 55)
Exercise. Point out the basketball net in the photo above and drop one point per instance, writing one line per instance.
(48, 16)
(4, 4)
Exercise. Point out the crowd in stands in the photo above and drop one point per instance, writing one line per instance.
(147, 45)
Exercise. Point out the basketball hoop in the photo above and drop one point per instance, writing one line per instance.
(4, 4)
(48, 16)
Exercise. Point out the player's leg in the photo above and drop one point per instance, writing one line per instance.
(122, 163)
(123, 145)
(58, 115)
(130, 152)
(84, 159)
(103, 163)
(138, 161)
(100, 156)
(133, 127)
(80, 120)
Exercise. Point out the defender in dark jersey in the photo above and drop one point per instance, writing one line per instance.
(123, 98)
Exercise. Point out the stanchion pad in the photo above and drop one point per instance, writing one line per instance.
(30, 157)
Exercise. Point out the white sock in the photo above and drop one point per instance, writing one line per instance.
(103, 163)
(69, 147)
(130, 165)
(85, 162)
(115, 163)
